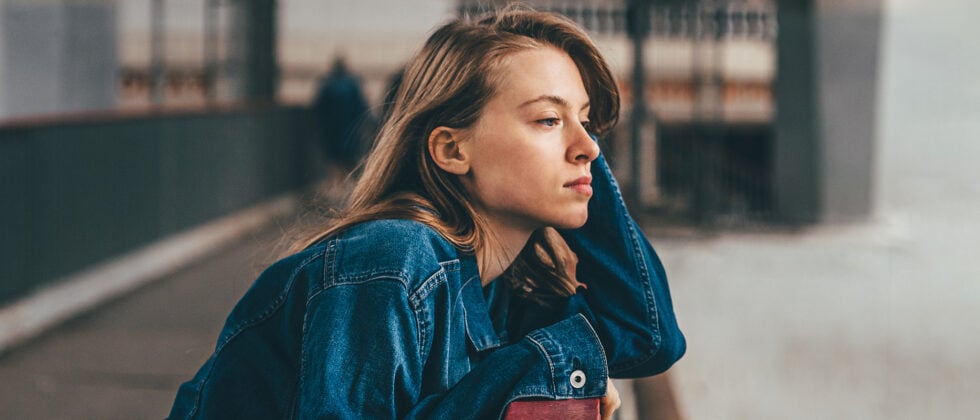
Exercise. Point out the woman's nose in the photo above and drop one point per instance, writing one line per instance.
(583, 147)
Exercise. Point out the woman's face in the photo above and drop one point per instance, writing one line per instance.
(529, 151)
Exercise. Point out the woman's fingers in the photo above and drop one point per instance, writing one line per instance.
(611, 402)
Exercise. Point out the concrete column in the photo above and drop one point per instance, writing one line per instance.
(91, 55)
(57, 56)
(847, 49)
(33, 38)
(825, 93)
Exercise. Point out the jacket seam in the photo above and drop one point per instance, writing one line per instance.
(466, 321)
(551, 365)
(265, 315)
(651, 307)
(306, 320)
(435, 279)
(330, 263)
(416, 297)
(602, 349)
(653, 314)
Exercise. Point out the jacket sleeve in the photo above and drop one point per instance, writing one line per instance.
(627, 295)
(362, 359)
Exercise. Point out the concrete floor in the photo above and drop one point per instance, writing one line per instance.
(126, 360)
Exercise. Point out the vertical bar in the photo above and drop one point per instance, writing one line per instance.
(638, 26)
(156, 51)
(210, 75)
(796, 188)
(252, 50)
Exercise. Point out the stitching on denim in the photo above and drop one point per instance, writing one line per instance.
(463, 286)
(422, 336)
(330, 262)
(302, 345)
(466, 321)
(416, 297)
(551, 366)
(452, 265)
(366, 277)
(602, 350)
(634, 362)
(642, 264)
(466, 324)
(396, 276)
(337, 277)
(276, 304)
(306, 321)
(653, 314)
(436, 279)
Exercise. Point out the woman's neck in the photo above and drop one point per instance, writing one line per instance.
(504, 245)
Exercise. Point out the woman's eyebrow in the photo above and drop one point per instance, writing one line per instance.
(557, 100)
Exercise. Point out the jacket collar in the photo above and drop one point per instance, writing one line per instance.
(479, 325)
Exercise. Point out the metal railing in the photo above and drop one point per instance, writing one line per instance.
(689, 20)
(80, 191)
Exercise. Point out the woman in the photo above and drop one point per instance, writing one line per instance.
(486, 255)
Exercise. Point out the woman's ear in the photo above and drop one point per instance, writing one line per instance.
(444, 147)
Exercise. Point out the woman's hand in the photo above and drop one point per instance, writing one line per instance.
(609, 403)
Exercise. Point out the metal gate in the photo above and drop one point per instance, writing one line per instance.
(697, 147)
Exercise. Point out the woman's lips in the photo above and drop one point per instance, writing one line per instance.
(582, 185)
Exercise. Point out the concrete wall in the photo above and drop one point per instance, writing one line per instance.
(57, 56)
(78, 193)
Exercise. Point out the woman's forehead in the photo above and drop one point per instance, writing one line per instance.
(541, 75)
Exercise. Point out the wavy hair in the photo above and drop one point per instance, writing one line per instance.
(447, 83)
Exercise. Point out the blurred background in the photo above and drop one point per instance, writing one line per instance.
(805, 168)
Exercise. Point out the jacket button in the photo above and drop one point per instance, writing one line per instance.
(577, 379)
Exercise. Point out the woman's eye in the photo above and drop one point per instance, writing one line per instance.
(550, 122)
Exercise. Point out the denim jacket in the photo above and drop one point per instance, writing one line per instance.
(389, 320)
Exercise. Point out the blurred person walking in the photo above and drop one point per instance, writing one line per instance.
(343, 121)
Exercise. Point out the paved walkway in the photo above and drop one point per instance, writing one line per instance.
(126, 360)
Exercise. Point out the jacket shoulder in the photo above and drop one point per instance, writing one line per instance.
(403, 250)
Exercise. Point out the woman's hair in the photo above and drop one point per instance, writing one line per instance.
(447, 83)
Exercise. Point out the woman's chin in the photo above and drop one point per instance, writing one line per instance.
(572, 222)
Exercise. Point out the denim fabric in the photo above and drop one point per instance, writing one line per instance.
(389, 320)
(628, 293)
